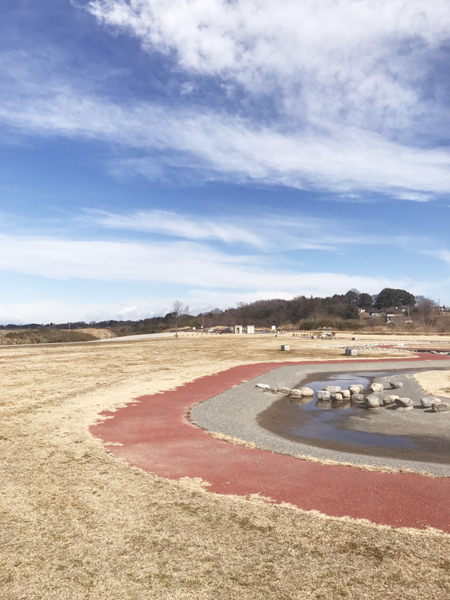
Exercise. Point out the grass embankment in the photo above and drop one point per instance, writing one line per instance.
(79, 524)
(52, 336)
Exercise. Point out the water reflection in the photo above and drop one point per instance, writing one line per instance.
(323, 404)
(327, 420)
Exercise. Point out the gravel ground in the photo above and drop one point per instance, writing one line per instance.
(234, 413)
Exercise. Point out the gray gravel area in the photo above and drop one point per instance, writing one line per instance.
(235, 413)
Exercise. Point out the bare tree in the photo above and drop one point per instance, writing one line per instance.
(427, 312)
(399, 322)
(178, 310)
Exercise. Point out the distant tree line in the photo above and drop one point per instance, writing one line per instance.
(340, 311)
(337, 311)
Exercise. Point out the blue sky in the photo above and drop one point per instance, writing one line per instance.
(217, 152)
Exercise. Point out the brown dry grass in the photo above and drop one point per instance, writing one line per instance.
(435, 383)
(78, 524)
(52, 336)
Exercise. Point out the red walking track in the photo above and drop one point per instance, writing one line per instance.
(156, 436)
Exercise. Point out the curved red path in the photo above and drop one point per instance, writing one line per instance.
(157, 437)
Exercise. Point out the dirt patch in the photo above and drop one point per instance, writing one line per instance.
(78, 524)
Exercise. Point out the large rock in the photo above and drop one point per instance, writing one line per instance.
(262, 386)
(346, 394)
(376, 387)
(428, 401)
(284, 390)
(337, 398)
(271, 390)
(441, 407)
(389, 400)
(396, 385)
(404, 404)
(295, 393)
(323, 395)
(333, 389)
(307, 391)
(356, 389)
(358, 399)
(372, 401)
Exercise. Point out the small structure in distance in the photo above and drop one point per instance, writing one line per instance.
(241, 329)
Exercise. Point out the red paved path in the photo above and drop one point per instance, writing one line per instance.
(157, 437)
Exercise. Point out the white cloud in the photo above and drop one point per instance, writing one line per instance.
(442, 254)
(178, 225)
(266, 232)
(360, 62)
(52, 311)
(187, 88)
(347, 79)
(223, 147)
(183, 263)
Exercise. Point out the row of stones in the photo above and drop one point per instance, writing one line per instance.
(356, 394)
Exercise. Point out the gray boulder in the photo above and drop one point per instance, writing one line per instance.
(271, 390)
(404, 404)
(396, 385)
(333, 389)
(307, 391)
(428, 401)
(295, 393)
(356, 389)
(358, 399)
(323, 395)
(337, 398)
(372, 401)
(284, 390)
(262, 386)
(389, 400)
(441, 407)
(346, 394)
(376, 387)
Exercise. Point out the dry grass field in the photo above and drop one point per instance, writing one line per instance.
(79, 524)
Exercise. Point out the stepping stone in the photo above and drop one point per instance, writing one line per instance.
(372, 401)
(389, 400)
(404, 404)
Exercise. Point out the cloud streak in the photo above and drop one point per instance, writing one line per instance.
(358, 62)
(350, 84)
(221, 147)
(268, 232)
(183, 263)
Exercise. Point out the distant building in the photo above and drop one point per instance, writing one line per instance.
(394, 313)
(246, 329)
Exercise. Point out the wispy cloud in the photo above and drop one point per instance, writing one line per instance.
(178, 225)
(179, 262)
(269, 232)
(220, 147)
(362, 63)
(306, 151)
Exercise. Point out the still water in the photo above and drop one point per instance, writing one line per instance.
(325, 421)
